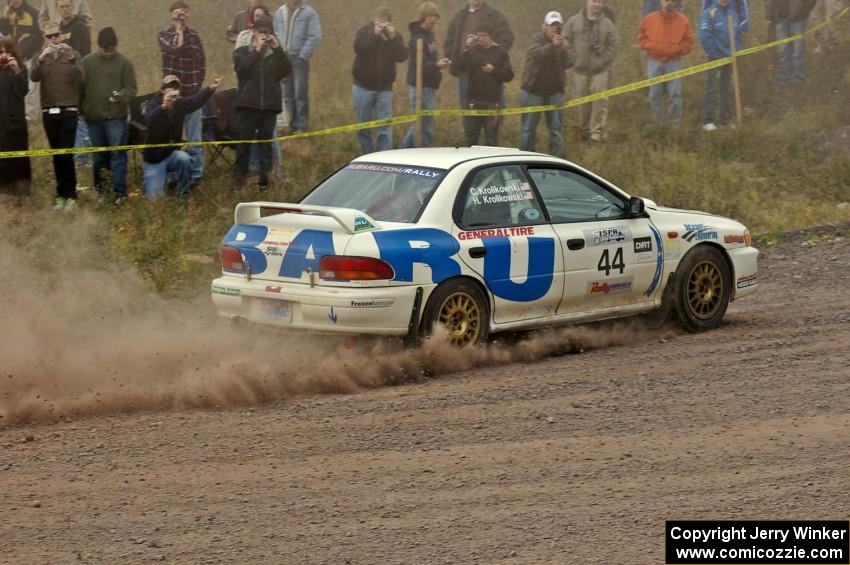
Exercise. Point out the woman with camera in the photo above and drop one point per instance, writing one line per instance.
(15, 173)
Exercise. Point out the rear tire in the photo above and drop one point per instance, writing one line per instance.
(703, 289)
(462, 309)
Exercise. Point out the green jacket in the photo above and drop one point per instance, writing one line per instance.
(105, 78)
(594, 42)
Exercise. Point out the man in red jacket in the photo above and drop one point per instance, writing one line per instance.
(666, 36)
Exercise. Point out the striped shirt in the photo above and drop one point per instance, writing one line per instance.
(187, 62)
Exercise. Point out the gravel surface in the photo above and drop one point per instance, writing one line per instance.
(573, 459)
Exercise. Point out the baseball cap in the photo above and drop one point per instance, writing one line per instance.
(553, 18)
(171, 80)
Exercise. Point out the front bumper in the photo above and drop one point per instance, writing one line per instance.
(353, 311)
(745, 277)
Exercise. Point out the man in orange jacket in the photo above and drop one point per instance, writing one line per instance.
(666, 36)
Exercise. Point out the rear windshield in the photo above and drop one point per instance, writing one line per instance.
(388, 193)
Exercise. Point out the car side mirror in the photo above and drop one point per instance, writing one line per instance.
(637, 207)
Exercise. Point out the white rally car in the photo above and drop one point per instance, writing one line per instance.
(479, 240)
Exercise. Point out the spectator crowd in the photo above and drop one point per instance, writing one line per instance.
(51, 72)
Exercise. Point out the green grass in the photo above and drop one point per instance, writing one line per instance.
(773, 174)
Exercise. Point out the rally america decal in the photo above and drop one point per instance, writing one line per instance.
(605, 288)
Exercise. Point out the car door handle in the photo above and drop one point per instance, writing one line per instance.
(478, 252)
(575, 244)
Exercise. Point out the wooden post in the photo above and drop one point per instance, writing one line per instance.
(737, 85)
(420, 66)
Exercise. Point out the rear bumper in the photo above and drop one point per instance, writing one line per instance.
(745, 278)
(371, 311)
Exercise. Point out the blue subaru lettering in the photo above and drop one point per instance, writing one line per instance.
(295, 261)
(497, 269)
(246, 239)
(396, 249)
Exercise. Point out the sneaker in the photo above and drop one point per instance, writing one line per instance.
(119, 201)
(709, 127)
(58, 203)
(71, 205)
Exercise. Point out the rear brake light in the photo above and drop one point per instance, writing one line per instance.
(337, 267)
(231, 260)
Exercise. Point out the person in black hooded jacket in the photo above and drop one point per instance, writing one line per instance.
(432, 74)
(488, 66)
(260, 67)
(462, 27)
(378, 47)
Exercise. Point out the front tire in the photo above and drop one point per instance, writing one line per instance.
(703, 289)
(460, 307)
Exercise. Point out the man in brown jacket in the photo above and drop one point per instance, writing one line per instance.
(59, 70)
(594, 38)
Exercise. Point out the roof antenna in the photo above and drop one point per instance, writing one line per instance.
(457, 145)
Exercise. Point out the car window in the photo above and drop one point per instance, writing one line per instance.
(500, 197)
(571, 197)
(388, 193)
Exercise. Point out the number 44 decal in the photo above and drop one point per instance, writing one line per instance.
(605, 263)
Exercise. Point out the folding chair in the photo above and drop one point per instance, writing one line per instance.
(138, 129)
(219, 124)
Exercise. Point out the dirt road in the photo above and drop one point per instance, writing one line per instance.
(574, 459)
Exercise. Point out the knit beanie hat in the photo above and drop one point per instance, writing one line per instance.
(107, 38)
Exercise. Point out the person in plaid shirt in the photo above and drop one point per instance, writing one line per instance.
(183, 56)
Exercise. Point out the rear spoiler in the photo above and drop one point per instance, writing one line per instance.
(352, 221)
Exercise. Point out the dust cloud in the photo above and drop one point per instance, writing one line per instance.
(83, 335)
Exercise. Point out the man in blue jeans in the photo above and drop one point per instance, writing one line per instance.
(183, 56)
(109, 87)
(789, 18)
(543, 83)
(714, 37)
(299, 32)
(666, 36)
(165, 115)
(432, 76)
(378, 47)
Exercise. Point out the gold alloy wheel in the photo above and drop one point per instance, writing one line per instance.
(461, 316)
(705, 290)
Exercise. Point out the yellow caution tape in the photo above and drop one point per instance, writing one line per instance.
(610, 93)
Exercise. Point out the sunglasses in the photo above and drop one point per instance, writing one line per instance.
(52, 35)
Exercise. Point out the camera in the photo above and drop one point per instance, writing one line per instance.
(4, 60)
(181, 16)
(173, 95)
